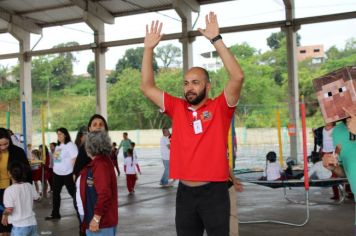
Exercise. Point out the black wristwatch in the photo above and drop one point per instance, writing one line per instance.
(216, 38)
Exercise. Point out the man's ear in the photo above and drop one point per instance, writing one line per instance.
(208, 87)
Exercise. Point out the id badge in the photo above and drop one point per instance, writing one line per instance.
(198, 128)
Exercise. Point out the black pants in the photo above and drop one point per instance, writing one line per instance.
(203, 207)
(58, 182)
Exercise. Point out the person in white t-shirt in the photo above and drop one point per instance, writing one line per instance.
(63, 162)
(328, 144)
(327, 147)
(18, 202)
(165, 145)
(318, 171)
(131, 168)
(273, 169)
(134, 153)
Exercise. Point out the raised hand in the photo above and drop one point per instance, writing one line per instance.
(153, 34)
(212, 27)
(330, 160)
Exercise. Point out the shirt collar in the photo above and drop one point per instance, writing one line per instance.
(207, 102)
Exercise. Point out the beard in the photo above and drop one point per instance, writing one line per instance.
(197, 99)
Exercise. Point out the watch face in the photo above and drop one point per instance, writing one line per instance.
(352, 137)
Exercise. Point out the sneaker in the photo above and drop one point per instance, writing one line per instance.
(52, 217)
(38, 199)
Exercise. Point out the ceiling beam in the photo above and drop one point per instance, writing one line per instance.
(326, 18)
(193, 5)
(185, 7)
(42, 9)
(195, 33)
(25, 24)
(95, 9)
(62, 22)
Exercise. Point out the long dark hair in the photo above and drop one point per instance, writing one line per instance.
(67, 138)
(78, 138)
(97, 116)
(46, 150)
(4, 133)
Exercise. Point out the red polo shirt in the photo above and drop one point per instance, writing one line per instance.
(203, 156)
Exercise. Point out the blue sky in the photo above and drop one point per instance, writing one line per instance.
(238, 12)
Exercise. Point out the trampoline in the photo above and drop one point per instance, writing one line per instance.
(252, 177)
(249, 176)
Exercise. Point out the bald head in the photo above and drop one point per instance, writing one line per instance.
(199, 72)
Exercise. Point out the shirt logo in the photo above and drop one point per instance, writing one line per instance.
(206, 115)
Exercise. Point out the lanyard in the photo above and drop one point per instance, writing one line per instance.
(195, 114)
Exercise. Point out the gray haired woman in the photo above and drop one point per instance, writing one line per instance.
(98, 187)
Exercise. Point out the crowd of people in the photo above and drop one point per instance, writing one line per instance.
(87, 168)
(195, 154)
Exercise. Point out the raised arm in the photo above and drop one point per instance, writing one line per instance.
(234, 85)
(148, 85)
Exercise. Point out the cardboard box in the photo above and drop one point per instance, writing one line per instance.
(335, 91)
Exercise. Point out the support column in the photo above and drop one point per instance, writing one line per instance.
(293, 89)
(25, 76)
(184, 9)
(101, 89)
(187, 45)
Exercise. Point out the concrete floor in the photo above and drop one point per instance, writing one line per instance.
(151, 211)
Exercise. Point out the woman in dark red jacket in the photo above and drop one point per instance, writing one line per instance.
(98, 187)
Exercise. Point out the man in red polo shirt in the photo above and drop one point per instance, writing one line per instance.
(199, 140)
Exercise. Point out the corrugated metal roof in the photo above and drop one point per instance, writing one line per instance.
(45, 13)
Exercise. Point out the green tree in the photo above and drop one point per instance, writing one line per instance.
(126, 101)
(62, 67)
(68, 55)
(243, 51)
(4, 72)
(62, 72)
(91, 69)
(129, 109)
(350, 46)
(132, 59)
(277, 59)
(333, 53)
(274, 41)
(41, 74)
(168, 54)
(307, 72)
(74, 114)
(9, 90)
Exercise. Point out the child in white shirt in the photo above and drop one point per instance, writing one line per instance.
(273, 169)
(131, 168)
(18, 202)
